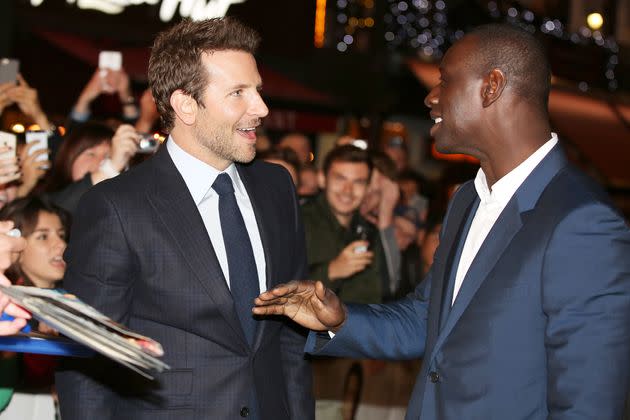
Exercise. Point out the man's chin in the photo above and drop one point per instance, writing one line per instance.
(245, 156)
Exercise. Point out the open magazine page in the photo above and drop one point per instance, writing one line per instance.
(84, 324)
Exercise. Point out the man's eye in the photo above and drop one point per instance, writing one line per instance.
(238, 92)
(41, 237)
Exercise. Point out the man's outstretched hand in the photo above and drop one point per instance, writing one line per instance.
(306, 302)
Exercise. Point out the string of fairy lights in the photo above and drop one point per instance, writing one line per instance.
(422, 27)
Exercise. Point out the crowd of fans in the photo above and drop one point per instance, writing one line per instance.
(370, 234)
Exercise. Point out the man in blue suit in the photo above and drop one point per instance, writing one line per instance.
(525, 313)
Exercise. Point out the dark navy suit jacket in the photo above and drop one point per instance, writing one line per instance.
(540, 328)
(140, 253)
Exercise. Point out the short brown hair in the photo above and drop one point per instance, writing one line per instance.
(175, 61)
(347, 153)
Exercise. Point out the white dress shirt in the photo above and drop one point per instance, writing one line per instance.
(492, 203)
(199, 177)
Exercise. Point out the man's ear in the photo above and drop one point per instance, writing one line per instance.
(321, 179)
(185, 107)
(492, 87)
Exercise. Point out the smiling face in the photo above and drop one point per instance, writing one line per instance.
(42, 259)
(231, 109)
(345, 186)
(456, 103)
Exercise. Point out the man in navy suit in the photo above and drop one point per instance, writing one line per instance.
(153, 248)
(525, 313)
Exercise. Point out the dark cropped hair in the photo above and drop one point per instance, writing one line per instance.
(24, 213)
(347, 153)
(175, 61)
(78, 139)
(519, 55)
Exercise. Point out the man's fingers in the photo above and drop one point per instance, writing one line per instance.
(271, 301)
(320, 290)
(278, 291)
(268, 310)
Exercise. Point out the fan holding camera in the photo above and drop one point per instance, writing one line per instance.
(345, 250)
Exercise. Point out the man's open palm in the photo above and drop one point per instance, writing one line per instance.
(308, 303)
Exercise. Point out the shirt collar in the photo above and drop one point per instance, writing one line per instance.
(503, 190)
(198, 175)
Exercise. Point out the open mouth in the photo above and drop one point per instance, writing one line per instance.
(436, 124)
(249, 132)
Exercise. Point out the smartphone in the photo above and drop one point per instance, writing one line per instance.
(8, 139)
(361, 232)
(111, 60)
(9, 68)
(41, 138)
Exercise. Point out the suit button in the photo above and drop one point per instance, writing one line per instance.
(244, 411)
(434, 376)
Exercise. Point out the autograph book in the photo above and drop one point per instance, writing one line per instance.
(83, 324)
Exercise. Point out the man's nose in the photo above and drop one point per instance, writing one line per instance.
(258, 107)
(432, 98)
(347, 187)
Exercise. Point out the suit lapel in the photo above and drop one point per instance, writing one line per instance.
(505, 228)
(180, 216)
(453, 225)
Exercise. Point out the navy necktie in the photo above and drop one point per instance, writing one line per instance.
(241, 263)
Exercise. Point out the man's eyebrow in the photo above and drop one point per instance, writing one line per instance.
(239, 86)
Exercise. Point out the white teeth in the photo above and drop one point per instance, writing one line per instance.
(438, 120)
(247, 129)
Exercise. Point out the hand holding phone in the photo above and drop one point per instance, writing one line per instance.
(109, 62)
(9, 169)
(39, 141)
(8, 143)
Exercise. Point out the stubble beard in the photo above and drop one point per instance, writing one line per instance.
(220, 142)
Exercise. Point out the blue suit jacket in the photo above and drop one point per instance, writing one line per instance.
(140, 253)
(541, 325)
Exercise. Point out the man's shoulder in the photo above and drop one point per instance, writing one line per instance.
(129, 183)
(571, 188)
